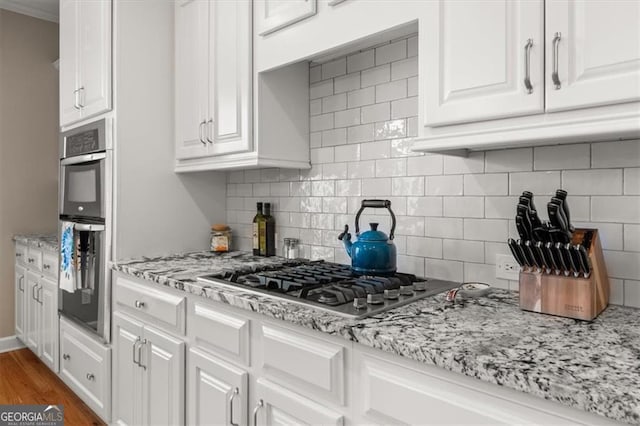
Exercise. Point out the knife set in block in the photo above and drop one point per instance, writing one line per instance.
(578, 290)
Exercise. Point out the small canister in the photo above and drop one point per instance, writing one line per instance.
(290, 248)
(220, 238)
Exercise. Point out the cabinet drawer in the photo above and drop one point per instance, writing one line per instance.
(21, 254)
(219, 332)
(147, 303)
(34, 259)
(307, 364)
(85, 366)
(389, 394)
(50, 264)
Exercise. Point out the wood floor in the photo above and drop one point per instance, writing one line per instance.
(24, 379)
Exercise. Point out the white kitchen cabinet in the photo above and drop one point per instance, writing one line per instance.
(149, 383)
(273, 15)
(482, 60)
(217, 392)
(33, 313)
(85, 59)
(213, 78)
(279, 406)
(20, 301)
(597, 46)
(49, 322)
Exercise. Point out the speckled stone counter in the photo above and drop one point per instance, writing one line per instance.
(47, 242)
(591, 366)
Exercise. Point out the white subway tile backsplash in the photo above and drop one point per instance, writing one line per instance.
(540, 183)
(562, 157)
(334, 68)
(376, 112)
(592, 182)
(444, 185)
(377, 75)
(390, 129)
(391, 167)
(361, 97)
(464, 206)
(346, 83)
(424, 247)
(360, 61)
(444, 269)
(615, 154)
(632, 181)
(463, 250)
(486, 229)
(424, 206)
(509, 160)
(454, 213)
(631, 237)
(444, 227)
(391, 91)
(391, 52)
(624, 209)
(405, 68)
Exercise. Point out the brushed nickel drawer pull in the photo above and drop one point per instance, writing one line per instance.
(66, 357)
(91, 377)
(139, 304)
(554, 74)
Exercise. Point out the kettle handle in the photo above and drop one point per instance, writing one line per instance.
(378, 204)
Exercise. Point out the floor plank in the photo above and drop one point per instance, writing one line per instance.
(24, 379)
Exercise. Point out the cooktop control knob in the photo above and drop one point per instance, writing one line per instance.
(420, 286)
(360, 303)
(375, 299)
(392, 294)
(406, 290)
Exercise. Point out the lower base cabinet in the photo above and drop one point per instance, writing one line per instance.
(217, 392)
(40, 304)
(149, 366)
(279, 406)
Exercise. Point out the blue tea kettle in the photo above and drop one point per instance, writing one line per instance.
(374, 253)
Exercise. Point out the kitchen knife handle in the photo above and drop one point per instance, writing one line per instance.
(584, 260)
(562, 195)
(525, 253)
(537, 262)
(529, 195)
(546, 261)
(560, 259)
(548, 247)
(573, 259)
(515, 252)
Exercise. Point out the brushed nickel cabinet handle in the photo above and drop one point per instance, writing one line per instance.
(66, 357)
(90, 377)
(30, 260)
(554, 74)
(80, 92)
(139, 304)
(38, 295)
(527, 66)
(46, 266)
(209, 131)
(144, 342)
(21, 283)
(235, 392)
(259, 405)
(33, 293)
(200, 133)
(135, 344)
(76, 104)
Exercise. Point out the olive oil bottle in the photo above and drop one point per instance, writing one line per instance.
(270, 231)
(256, 229)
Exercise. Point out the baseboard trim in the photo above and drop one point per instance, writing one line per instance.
(10, 343)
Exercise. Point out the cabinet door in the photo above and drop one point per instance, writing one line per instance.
(69, 108)
(228, 124)
(475, 60)
(283, 407)
(127, 375)
(598, 53)
(192, 65)
(49, 322)
(163, 382)
(32, 323)
(216, 391)
(94, 47)
(20, 301)
(273, 15)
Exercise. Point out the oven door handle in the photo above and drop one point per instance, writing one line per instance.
(83, 158)
(88, 227)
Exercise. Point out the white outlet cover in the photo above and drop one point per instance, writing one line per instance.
(507, 268)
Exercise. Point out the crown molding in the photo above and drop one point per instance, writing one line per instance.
(27, 8)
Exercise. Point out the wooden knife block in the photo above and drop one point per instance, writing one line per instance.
(578, 298)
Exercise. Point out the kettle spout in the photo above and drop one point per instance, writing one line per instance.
(345, 237)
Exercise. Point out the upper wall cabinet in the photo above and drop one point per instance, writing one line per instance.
(489, 78)
(215, 95)
(273, 15)
(85, 59)
(593, 53)
(483, 60)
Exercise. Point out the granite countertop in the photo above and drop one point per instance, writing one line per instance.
(47, 242)
(593, 366)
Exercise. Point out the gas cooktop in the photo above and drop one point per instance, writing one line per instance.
(330, 286)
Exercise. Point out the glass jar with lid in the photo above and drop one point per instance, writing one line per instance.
(220, 238)
(290, 248)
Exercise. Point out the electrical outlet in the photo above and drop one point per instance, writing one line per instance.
(507, 268)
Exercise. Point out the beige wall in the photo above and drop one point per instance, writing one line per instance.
(28, 140)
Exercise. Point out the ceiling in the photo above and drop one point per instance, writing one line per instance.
(42, 9)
